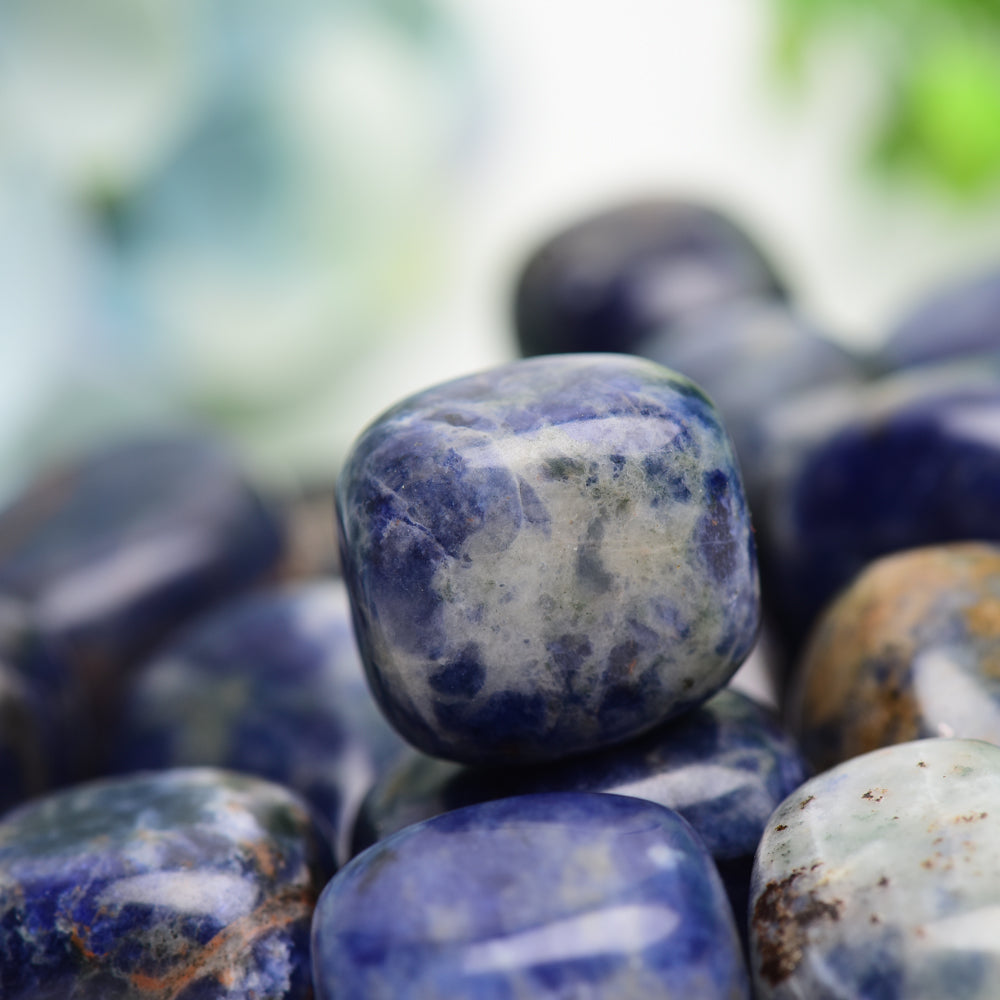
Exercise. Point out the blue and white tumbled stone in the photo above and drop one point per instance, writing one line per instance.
(878, 879)
(540, 896)
(548, 557)
(183, 884)
(271, 684)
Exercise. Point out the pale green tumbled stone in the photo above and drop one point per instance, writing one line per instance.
(880, 879)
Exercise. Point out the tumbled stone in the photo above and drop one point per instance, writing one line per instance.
(187, 883)
(270, 684)
(605, 280)
(911, 649)
(724, 766)
(541, 896)
(547, 558)
(877, 879)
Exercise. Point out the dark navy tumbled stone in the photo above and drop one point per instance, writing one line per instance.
(183, 884)
(547, 558)
(541, 896)
(115, 549)
(271, 684)
(606, 280)
(960, 318)
(724, 767)
(907, 461)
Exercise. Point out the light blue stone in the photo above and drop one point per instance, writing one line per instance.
(548, 557)
(877, 879)
(577, 895)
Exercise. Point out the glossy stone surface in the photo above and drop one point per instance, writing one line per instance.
(271, 684)
(724, 767)
(876, 879)
(189, 883)
(960, 318)
(604, 281)
(118, 547)
(910, 649)
(904, 462)
(563, 895)
(548, 557)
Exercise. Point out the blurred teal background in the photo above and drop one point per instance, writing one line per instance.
(277, 218)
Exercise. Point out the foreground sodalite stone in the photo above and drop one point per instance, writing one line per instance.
(271, 684)
(606, 280)
(910, 649)
(189, 883)
(541, 896)
(876, 879)
(547, 558)
(118, 547)
(724, 766)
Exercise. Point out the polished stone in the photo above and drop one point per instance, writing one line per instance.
(188, 883)
(877, 879)
(607, 279)
(911, 649)
(271, 684)
(547, 558)
(564, 895)
(724, 766)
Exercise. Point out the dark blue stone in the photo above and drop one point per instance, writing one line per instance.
(541, 896)
(547, 558)
(188, 883)
(115, 549)
(960, 318)
(270, 684)
(724, 767)
(605, 281)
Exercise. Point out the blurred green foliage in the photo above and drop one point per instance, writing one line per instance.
(937, 63)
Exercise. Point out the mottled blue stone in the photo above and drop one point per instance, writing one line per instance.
(906, 461)
(270, 684)
(548, 557)
(877, 879)
(541, 896)
(724, 767)
(605, 280)
(185, 884)
(115, 549)
(959, 318)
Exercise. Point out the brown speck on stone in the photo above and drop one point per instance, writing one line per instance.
(927, 863)
(780, 827)
(782, 918)
(873, 919)
(876, 794)
(806, 801)
(883, 881)
(920, 763)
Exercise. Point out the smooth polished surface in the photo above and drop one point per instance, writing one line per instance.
(911, 649)
(565, 895)
(271, 684)
(188, 883)
(547, 558)
(607, 279)
(876, 879)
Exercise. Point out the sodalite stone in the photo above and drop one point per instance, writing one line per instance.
(724, 766)
(877, 879)
(607, 279)
(547, 558)
(910, 649)
(189, 883)
(270, 684)
(541, 896)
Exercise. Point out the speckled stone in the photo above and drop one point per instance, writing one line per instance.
(607, 279)
(271, 684)
(185, 884)
(910, 649)
(543, 896)
(547, 558)
(904, 462)
(118, 547)
(724, 766)
(877, 879)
